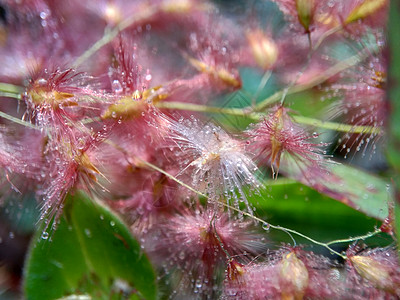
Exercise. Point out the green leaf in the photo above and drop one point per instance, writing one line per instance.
(293, 205)
(356, 188)
(90, 253)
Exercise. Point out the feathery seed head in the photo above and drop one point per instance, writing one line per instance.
(216, 162)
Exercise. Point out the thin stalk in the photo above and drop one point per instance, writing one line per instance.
(110, 34)
(357, 238)
(337, 126)
(277, 227)
(207, 109)
(17, 121)
(10, 95)
(326, 35)
(239, 112)
(10, 88)
(334, 70)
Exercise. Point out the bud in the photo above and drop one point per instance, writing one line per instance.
(373, 270)
(40, 96)
(305, 12)
(126, 108)
(365, 9)
(235, 270)
(264, 49)
(293, 277)
(180, 6)
(217, 72)
(112, 14)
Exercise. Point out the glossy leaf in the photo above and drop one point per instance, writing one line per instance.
(90, 253)
(351, 186)
(291, 204)
(360, 190)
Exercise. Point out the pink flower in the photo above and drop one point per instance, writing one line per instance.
(293, 274)
(215, 57)
(154, 197)
(69, 162)
(197, 243)
(126, 74)
(58, 100)
(303, 10)
(278, 141)
(362, 102)
(21, 158)
(355, 15)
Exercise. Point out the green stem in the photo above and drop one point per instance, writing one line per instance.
(245, 113)
(336, 126)
(10, 95)
(334, 70)
(357, 238)
(11, 88)
(16, 120)
(326, 35)
(207, 109)
(112, 33)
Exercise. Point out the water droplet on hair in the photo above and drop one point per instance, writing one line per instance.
(42, 82)
(199, 283)
(112, 223)
(116, 87)
(88, 233)
(45, 235)
(266, 226)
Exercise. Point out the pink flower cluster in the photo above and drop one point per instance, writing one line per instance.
(102, 106)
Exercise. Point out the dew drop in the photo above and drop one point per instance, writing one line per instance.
(116, 87)
(45, 235)
(11, 235)
(112, 223)
(44, 14)
(199, 284)
(42, 82)
(266, 226)
(88, 233)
